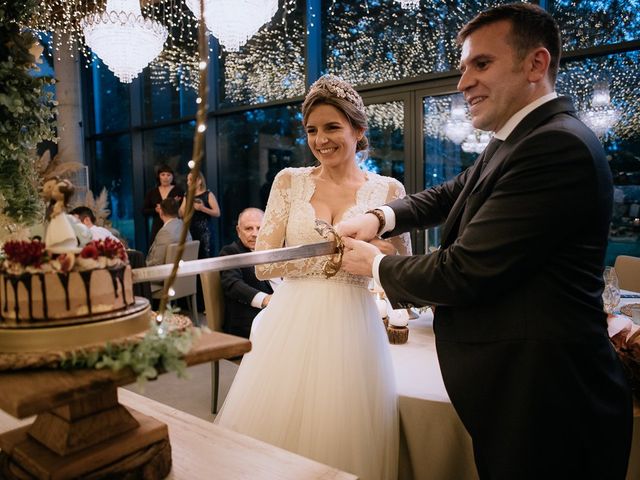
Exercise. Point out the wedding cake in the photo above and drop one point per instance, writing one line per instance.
(67, 276)
(39, 286)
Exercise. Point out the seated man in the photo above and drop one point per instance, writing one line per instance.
(87, 218)
(244, 294)
(168, 234)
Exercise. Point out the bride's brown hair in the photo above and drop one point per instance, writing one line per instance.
(332, 90)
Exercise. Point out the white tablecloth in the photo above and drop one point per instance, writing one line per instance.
(434, 445)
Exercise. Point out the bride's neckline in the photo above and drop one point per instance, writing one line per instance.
(337, 218)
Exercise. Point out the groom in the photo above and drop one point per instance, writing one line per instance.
(520, 331)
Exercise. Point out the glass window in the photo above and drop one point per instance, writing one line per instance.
(171, 146)
(386, 139)
(108, 99)
(271, 64)
(167, 95)
(170, 83)
(113, 171)
(615, 115)
(450, 145)
(253, 147)
(379, 41)
(587, 24)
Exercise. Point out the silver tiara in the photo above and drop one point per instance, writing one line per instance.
(338, 87)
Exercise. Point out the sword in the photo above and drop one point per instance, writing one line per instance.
(249, 259)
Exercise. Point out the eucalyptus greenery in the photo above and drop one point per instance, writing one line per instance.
(158, 351)
(27, 114)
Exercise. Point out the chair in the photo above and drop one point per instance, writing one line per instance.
(628, 272)
(184, 286)
(136, 260)
(214, 309)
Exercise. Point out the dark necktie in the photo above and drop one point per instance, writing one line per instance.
(490, 149)
(452, 231)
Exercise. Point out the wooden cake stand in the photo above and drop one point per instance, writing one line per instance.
(81, 430)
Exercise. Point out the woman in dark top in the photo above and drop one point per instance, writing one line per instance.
(205, 206)
(166, 188)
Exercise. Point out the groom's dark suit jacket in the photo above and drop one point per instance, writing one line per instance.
(240, 285)
(520, 330)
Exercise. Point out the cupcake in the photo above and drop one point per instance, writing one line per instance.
(397, 330)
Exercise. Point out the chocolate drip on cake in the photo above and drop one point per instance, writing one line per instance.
(15, 281)
(86, 279)
(118, 273)
(5, 307)
(64, 279)
(14, 284)
(28, 282)
(45, 309)
(114, 281)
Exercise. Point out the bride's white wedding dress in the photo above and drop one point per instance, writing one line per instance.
(319, 379)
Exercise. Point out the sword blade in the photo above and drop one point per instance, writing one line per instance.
(249, 259)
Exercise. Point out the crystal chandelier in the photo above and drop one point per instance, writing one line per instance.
(409, 4)
(458, 126)
(123, 39)
(233, 22)
(602, 116)
(476, 142)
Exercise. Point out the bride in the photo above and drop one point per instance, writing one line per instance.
(319, 379)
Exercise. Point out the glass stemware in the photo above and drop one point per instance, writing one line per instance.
(611, 292)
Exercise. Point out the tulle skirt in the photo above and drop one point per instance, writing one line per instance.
(319, 379)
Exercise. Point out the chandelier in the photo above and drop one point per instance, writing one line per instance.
(409, 4)
(458, 126)
(601, 116)
(123, 39)
(233, 22)
(476, 141)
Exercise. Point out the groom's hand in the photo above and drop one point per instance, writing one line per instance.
(358, 256)
(363, 227)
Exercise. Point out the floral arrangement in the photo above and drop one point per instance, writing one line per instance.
(158, 351)
(21, 256)
(27, 117)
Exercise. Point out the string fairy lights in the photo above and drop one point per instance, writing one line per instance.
(178, 60)
(365, 43)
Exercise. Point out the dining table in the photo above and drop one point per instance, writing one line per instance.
(434, 444)
(202, 450)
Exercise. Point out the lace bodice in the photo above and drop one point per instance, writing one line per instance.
(290, 219)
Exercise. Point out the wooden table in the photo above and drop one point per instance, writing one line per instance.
(202, 450)
(81, 428)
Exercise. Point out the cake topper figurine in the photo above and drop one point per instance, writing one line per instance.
(64, 234)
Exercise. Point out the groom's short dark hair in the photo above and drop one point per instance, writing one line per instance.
(531, 27)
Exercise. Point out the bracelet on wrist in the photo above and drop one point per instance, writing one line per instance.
(379, 214)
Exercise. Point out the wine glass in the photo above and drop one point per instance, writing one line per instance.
(611, 292)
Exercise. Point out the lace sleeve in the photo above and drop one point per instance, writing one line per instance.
(274, 227)
(402, 242)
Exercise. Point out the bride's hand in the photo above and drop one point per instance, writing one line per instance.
(385, 246)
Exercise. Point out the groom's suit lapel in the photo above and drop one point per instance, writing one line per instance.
(450, 227)
(453, 225)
